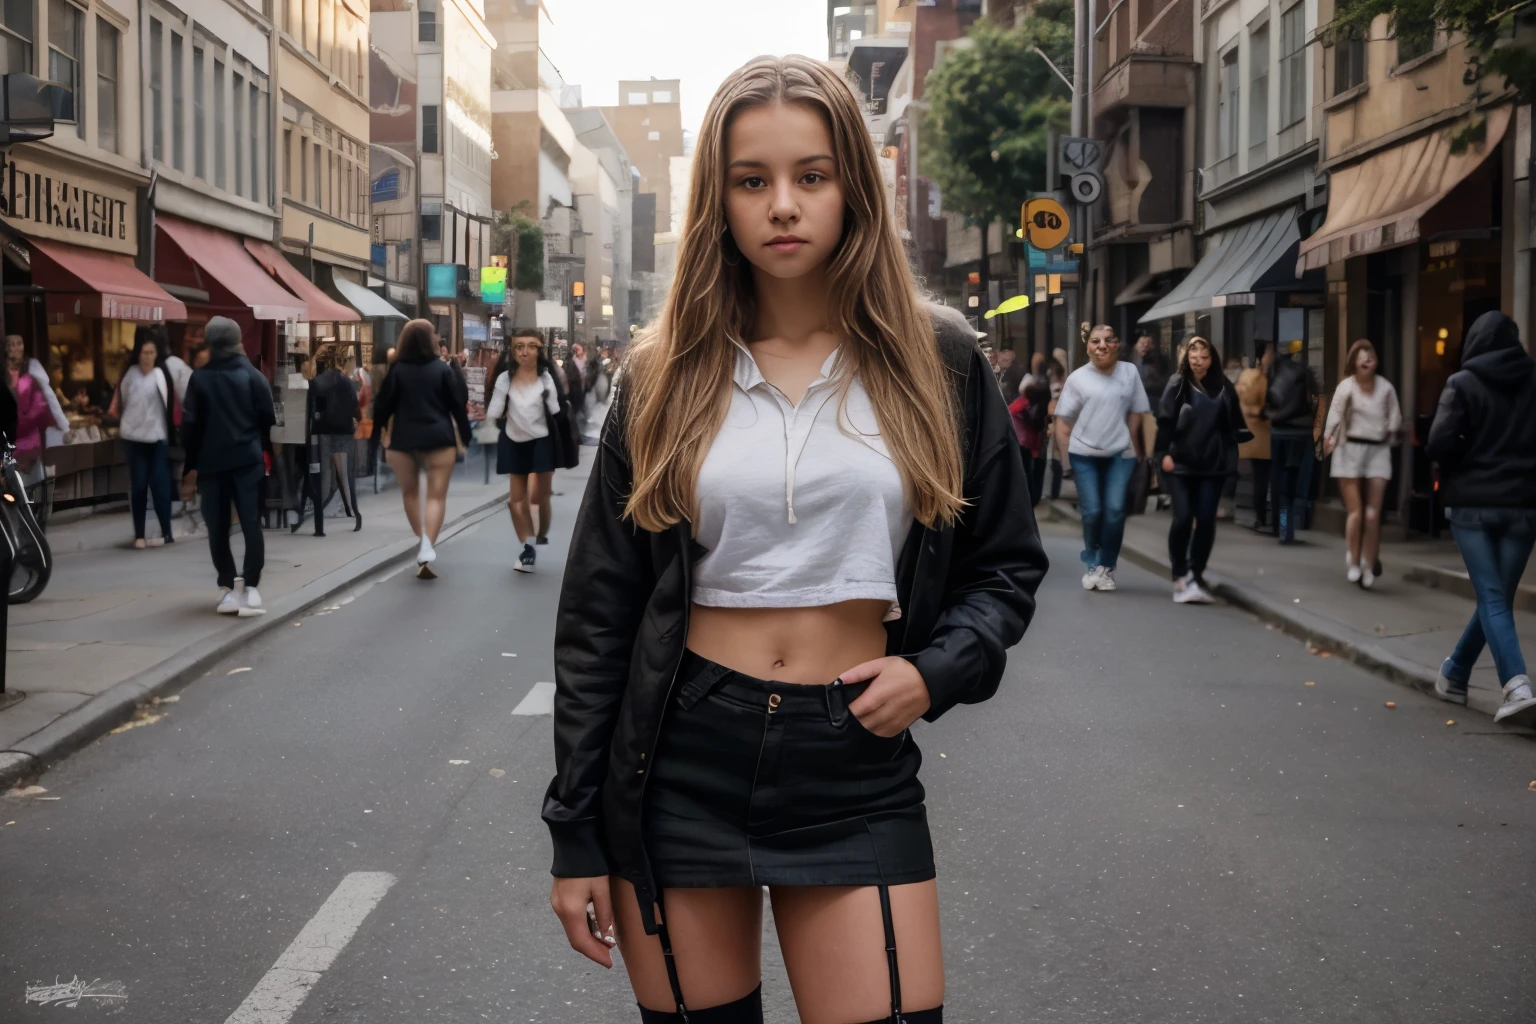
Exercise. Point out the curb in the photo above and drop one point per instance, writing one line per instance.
(105, 711)
(1296, 622)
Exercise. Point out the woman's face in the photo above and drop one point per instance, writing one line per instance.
(1199, 360)
(15, 351)
(783, 197)
(147, 356)
(525, 352)
(1103, 348)
(1365, 364)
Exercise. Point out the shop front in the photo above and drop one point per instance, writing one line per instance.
(69, 233)
(327, 323)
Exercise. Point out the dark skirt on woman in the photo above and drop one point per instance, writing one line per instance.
(524, 457)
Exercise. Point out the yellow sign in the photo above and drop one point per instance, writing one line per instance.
(1045, 222)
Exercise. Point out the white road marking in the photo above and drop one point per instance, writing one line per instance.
(540, 701)
(277, 997)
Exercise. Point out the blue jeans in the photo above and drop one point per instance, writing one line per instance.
(1102, 482)
(149, 475)
(1495, 544)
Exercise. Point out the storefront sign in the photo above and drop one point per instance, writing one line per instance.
(475, 330)
(442, 280)
(68, 207)
(493, 284)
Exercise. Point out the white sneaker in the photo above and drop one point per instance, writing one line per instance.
(1181, 588)
(1353, 575)
(1446, 690)
(426, 553)
(1367, 579)
(1105, 578)
(229, 602)
(1518, 701)
(1091, 578)
(252, 605)
(1198, 594)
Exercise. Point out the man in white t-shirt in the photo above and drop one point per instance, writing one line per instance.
(1098, 421)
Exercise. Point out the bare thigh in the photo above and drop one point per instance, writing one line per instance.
(717, 945)
(833, 939)
(1349, 490)
(439, 465)
(403, 465)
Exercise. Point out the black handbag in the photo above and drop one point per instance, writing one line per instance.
(562, 435)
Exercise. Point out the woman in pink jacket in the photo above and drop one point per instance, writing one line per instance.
(32, 413)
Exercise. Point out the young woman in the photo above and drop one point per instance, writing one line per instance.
(806, 474)
(144, 406)
(421, 405)
(1252, 385)
(32, 413)
(1098, 423)
(1363, 421)
(526, 396)
(1199, 428)
(1056, 376)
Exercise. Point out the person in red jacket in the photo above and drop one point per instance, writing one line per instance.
(33, 416)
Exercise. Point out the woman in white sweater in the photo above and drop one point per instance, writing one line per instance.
(1363, 424)
(523, 403)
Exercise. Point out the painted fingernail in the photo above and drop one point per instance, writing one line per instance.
(610, 940)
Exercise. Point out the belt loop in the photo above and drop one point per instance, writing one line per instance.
(837, 703)
(697, 688)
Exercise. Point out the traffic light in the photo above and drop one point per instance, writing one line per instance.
(579, 295)
(973, 289)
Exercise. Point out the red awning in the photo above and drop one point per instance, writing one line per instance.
(220, 256)
(87, 282)
(321, 307)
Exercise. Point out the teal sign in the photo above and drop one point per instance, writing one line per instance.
(442, 280)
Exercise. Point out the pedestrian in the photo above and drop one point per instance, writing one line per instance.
(33, 416)
(1199, 428)
(53, 433)
(225, 427)
(1036, 389)
(1056, 375)
(421, 405)
(1152, 364)
(1484, 438)
(576, 383)
(1098, 422)
(447, 356)
(1010, 374)
(523, 403)
(1252, 386)
(1289, 403)
(1028, 413)
(1364, 419)
(334, 413)
(783, 476)
(144, 405)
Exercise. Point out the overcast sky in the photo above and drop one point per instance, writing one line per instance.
(597, 42)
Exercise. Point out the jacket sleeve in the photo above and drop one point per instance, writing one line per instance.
(192, 423)
(496, 408)
(1336, 407)
(1448, 433)
(458, 405)
(602, 600)
(1235, 416)
(995, 566)
(384, 404)
(1168, 416)
(261, 404)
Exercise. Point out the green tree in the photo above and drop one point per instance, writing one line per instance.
(1500, 35)
(991, 108)
(521, 238)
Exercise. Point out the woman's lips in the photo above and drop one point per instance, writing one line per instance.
(787, 245)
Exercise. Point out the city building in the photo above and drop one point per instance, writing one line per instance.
(603, 185)
(648, 123)
(394, 170)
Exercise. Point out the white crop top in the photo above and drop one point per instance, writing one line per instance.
(798, 506)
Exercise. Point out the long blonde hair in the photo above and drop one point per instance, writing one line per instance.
(679, 373)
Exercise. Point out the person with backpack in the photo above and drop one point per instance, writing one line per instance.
(1199, 427)
(525, 403)
(1484, 438)
(144, 405)
(1289, 404)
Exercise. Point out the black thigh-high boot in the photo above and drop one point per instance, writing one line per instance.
(746, 1010)
(933, 1016)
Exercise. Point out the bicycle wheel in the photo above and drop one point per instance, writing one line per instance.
(31, 557)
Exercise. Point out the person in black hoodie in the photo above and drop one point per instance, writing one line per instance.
(1289, 406)
(1199, 426)
(1484, 438)
(333, 416)
(224, 419)
(421, 408)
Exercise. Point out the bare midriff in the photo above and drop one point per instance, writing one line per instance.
(791, 645)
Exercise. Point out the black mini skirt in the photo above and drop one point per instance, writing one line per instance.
(524, 457)
(764, 783)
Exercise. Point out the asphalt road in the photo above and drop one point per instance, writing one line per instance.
(1155, 820)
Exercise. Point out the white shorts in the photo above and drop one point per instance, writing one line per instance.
(1353, 460)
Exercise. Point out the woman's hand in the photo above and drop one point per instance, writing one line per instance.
(897, 695)
(189, 485)
(1328, 445)
(1167, 463)
(590, 932)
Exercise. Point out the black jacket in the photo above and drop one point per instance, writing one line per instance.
(575, 382)
(1292, 398)
(332, 404)
(1200, 425)
(425, 403)
(1484, 431)
(226, 416)
(966, 593)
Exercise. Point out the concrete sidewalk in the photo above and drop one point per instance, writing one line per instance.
(1401, 629)
(116, 624)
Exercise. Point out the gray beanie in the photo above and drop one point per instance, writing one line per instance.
(223, 337)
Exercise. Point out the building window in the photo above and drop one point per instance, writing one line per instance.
(66, 45)
(108, 53)
(1227, 100)
(237, 93)
(303, 169)
(1258, 87)
(256, 134)
(199, 116)
(16, 33)
(653, 136)
(661, 96)
(1293, 65)
(319, 197)
(287, 161)
(1348, 62)
(638, 99)
(156, 91)
(426, 21)
(178, 113)
(1414, 39)
(431, 227)
(218, 123)
(429, 128)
